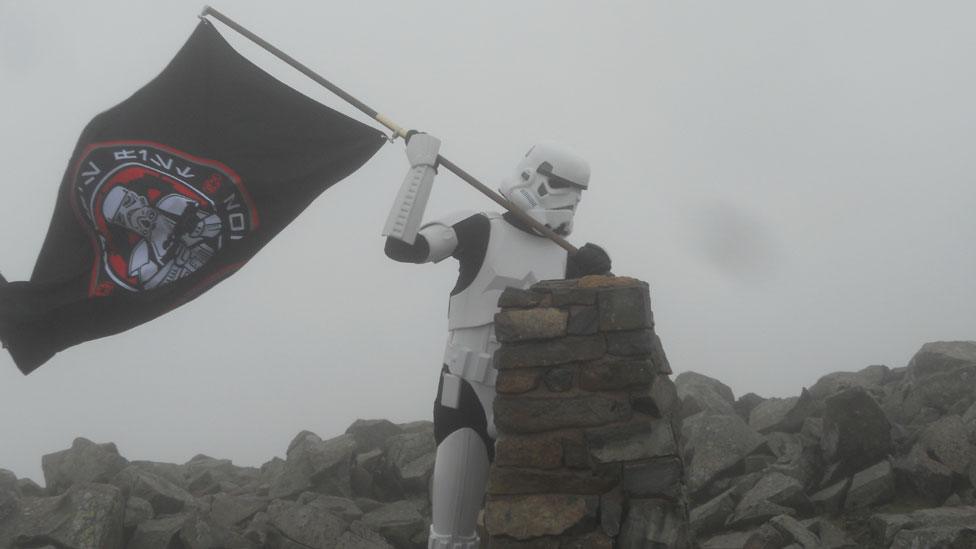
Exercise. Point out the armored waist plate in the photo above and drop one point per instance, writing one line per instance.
(469, 354)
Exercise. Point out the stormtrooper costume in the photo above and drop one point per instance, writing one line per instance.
(494, 252)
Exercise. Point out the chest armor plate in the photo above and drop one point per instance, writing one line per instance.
(514, 258)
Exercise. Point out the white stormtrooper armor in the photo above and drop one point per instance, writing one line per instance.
(162, 256)
(494, 252)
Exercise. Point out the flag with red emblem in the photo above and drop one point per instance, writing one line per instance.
(172, 191)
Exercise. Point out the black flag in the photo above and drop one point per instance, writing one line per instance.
(170, 192)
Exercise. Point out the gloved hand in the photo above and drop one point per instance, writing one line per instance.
(422, 149)
(589, 260)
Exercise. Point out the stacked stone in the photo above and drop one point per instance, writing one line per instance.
(587, 455)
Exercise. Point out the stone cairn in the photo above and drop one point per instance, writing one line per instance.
(587, 452)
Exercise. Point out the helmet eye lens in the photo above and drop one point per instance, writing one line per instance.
(557, 183)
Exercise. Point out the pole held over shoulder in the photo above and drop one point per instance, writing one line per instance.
(397, 130)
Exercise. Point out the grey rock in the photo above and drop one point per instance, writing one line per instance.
(199, 533)
(86, 516)
(559, 379)
(746, 403)
(625, 308)
(856, 432)
(730, 540)
(939, 381)
(654, 524)
(632, 441)
(207, 475)
(172, 472)
(942, 356)
(794, 532)
(786, 447)
(8, 480)
(409, 460)
(831, 537)
(700, 393)
(30, 489)
(658, 356)
(657, 477)
(947, 440)
(346, 509)
(776, 488)
(416, 426)
(944, 516)
(757, 463)
(804, 464)
(161, 533)
(921, 474)
(260, 531)
(969, 416)
(781, 414)
(767, 536)
(306, 524)
(315, 465)
(870, 378)
(638, 342)
(944, 537)
(532, 415)
(85, 461)
(164, 496)
(367, 504)
(9, 512)
(830, 500)
(229, 510)
(359, 536)
(398, 522)
(715, 444)
(780, 490)
(611, 511)
(137, 510)
(371, 434)
(583, 320)
(870, 487)
(885, 526)
(658, 400)
(711, 516)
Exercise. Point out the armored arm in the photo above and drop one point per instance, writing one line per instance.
(407, 240)
(403, 221)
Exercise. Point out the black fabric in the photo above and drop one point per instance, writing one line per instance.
(589, 260)
(514, 221)
(223, 155)
(399, 250)
(469, 413)
(472, 234)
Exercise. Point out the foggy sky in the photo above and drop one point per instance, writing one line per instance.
(794, 180)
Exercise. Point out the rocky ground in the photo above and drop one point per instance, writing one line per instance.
(366, 489)
(877, 458)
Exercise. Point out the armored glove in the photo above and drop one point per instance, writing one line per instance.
(589, 260)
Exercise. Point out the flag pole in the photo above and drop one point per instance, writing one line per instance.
(398, 131)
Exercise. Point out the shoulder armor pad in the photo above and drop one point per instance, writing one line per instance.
(440, 235)
(450, 219)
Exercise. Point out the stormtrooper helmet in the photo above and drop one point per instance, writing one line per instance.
(130, 210)
(548, 184)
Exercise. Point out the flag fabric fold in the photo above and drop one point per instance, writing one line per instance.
(170, 192)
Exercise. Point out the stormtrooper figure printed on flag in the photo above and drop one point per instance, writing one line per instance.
(156, 215)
